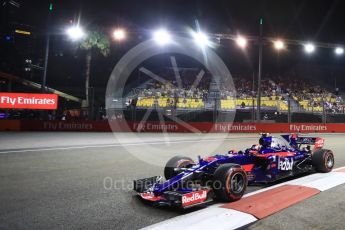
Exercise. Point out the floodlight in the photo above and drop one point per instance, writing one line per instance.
(201, 38)
(339, 51)
(119, 34)
(162, 36)
(309, 48)
(279, 45)
(75, 33)
(241, 42)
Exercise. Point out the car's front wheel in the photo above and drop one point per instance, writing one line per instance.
(229, 182)
(175, 165)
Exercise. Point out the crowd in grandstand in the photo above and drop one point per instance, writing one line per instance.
(245, 88)
(312, 97)
(169, 90)
(276, 91)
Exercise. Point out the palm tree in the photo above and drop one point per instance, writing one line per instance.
(96, 41)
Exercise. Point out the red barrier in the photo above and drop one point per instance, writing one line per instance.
(9, 125)
(220, 127)
(226, 127)
(83, 126)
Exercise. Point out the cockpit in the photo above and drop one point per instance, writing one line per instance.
(269, 144)
(279, 144)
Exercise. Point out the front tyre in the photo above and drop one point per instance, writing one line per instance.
(172, 167)
(230, 182)
(323, 160)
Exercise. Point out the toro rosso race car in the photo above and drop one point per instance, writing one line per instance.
(225, 177)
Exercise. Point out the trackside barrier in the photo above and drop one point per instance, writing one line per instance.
(82, 126)
(227, 127)
(104, 126)
(10, 125)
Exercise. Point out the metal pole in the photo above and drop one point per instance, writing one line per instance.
(44, 78)
(253, 83)
(92, 106)
(324, 118)
(289, 110)
(258, 118)
(253, 110)
(215, 109)
(43, 114)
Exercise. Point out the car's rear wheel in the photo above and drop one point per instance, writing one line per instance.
(174, 164)
(230, 182)
(323, 160)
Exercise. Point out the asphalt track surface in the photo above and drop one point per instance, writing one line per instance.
(83, 180)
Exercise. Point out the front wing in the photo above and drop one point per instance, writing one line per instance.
(178, 198)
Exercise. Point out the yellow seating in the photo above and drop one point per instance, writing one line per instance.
(269, 103)
(163, 101)
(282, 106)
(189, 103)
(247, 102)
(145, 102)
(227, 104)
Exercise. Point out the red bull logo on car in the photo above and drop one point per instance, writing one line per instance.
(194, 197)
(285, 164)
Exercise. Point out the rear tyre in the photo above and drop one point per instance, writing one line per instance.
(174, 163)
(323, 160)
(230, 182)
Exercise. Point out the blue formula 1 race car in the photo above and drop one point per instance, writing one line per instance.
(225, 177)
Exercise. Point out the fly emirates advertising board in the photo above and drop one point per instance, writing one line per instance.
(28, 101)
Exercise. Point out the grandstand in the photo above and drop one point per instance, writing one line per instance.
(277, 96)
(314, 98)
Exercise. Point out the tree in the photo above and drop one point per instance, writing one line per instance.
(96, 41)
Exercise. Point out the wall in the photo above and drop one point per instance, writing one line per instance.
(103, 126)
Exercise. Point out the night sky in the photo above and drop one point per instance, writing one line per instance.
(316, 20)
(321, 21)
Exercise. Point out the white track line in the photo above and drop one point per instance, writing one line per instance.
(119, 145)
(321, 181)
(210, 218)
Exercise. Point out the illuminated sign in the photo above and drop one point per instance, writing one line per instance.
(23, 32)
(28, 101)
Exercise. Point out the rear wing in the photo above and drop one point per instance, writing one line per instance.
(318, 142)
(294, 140)
(307, 140)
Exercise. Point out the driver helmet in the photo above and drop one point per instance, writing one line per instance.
(265, 142)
